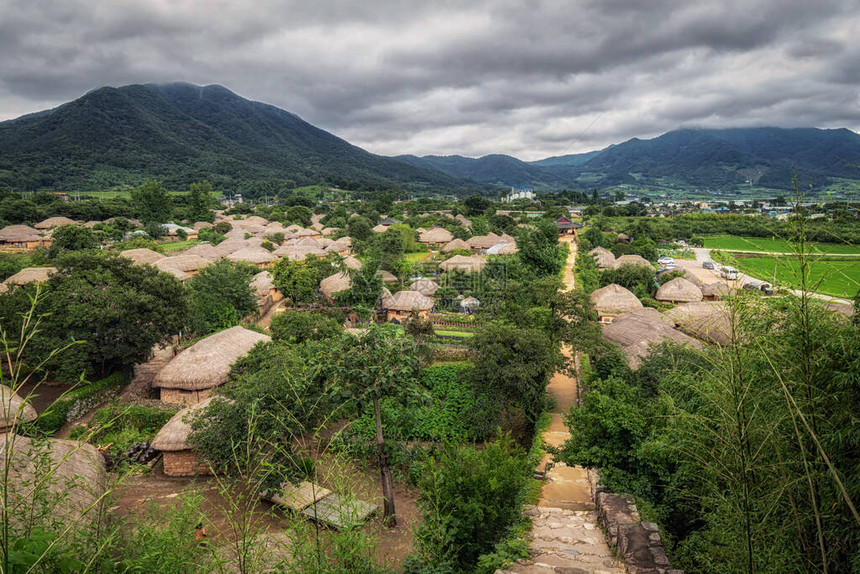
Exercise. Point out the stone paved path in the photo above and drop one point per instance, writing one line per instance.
(565, 536)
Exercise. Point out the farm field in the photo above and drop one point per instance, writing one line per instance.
(837, 277)
(773, 245)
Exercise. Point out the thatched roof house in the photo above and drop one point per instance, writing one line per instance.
(298, 252)
(204, 250)
(480, 243)
(379, 228)
(467, 223)
(632, 260)
(253, 220)
(709, 321)
(177, 273)
(307, 233)
(229, 246)
(263, 285)
(503, 249)
(424, 286)
(352, 263)
(20, 238)
(275, 227)
(387, 276)
(334, 284)
(622, 238)
(308, 242)
(679, 290)
(469, 264)
(189, 377)
(455, 244)
(13, 410)
(404, 304)
(635, 332)
(30, 275)
(437, 236)
(256, 255)
(603, 257)
(91, 223)
(188, 263)
(53, 222)
(201, 225)
(339, 247)
(614, 300)
(142, 255)
(72, 473)
(179, 456)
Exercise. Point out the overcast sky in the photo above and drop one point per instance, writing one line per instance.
(528, 78)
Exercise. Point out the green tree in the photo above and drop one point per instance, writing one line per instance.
(299, 214)
(296, 327)
(199, 200)
(120, 309)
(540, 250)
(151, 202)
(297, 280)
(513, 366)
(220, 295)
(72, 238)
(476, 205)
(380, 363)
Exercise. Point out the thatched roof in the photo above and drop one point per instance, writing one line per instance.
(335, 284)
(173, 229)
(352, 263)
(73, 474)
(603, 257)
(252, 220)
(385, 298)
(484, 241)
(455, 244)
(13, 409)
(252, 228)
(235, 233)
(679, 290)
(185, 263)
(326, 231)
(298, 252)
(467, 223)
(228, 246)
(638, 330)
(622, 238)
(469, 303)
(337, 247)
(387, 276)
(205, 251)
(91, 223)
(632, 260)
(173, 436)
(262, 283)
(424, 286)
(309, 242)
(437, 236)
(709, 321)
(379, 228)
(294, 228)
(30, 275)
(275, 227)
(201, 225)
(614, 300)
(408, 301)
(207, 363)
(307, 233)
(465, 263)
(503, 249)
(52, 222)
(19, 234)
(256, 255)
(178, 273)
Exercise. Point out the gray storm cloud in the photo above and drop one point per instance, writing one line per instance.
(528, 78)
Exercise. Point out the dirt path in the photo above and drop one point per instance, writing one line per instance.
(565, 534)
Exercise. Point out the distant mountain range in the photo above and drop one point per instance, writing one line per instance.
(707, 159)
(181, 133)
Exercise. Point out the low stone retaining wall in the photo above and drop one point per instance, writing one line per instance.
(637, 543)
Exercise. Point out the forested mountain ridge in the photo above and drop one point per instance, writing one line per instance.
(180, 133)
(700, 158)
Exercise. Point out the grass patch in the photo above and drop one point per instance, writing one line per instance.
(420, 256)
(464, 334)
(174, 246)
(830, 276)
(774, 245)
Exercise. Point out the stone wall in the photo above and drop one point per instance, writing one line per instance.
(637, 543)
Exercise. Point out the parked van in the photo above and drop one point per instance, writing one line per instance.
(729, 272)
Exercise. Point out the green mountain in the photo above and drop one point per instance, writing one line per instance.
(501, 170)
(704, 159)
(181, 133)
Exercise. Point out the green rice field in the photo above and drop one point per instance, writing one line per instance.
(774, 245)
(830, 276)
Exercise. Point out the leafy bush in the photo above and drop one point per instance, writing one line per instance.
(296, 327)
(78, 402)
(470, 499)
(221, 295)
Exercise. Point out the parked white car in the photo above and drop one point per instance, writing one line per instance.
(729, 272)
(665, 260)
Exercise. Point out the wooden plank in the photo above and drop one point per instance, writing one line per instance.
(340, 512)
(298, 497)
